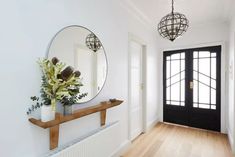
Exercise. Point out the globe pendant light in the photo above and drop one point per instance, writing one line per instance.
(93, 43)
(173, 25)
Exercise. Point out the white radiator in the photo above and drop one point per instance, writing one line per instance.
(100, 143)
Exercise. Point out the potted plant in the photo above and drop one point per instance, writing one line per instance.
(35, 106)
(44, 103)
(57, 83)
(68, 102)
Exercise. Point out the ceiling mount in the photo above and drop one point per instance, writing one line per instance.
(173, 25)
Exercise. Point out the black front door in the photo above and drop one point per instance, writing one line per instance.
(191, 87)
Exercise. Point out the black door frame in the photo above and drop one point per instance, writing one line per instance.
(187, 115)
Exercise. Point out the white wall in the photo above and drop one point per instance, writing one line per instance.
(207, 34)
(26, 30)
(152, 66)
(230, 61)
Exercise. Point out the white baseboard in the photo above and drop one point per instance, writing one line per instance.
(151, 124)
(121, 149)
(231, 141)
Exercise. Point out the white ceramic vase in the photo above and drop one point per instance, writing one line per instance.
(47, 113)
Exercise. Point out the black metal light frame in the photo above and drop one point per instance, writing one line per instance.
(93, 42)
(173, 25)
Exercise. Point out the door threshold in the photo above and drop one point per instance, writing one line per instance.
(185, 126)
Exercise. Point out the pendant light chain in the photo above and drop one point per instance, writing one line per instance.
(173, 25)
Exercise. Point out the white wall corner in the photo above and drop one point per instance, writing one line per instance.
(121, 149)
(152, 123)
(231, 141)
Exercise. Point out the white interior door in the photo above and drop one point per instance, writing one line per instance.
(136, 108)
(85, 62)
(101, 69)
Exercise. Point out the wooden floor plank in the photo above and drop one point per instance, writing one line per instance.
(166, 140)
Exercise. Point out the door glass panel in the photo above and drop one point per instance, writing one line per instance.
(195, 91)
(213, 107)
(177, 103)
(205, 106)
(168, 92)
(213, 68)
(175, 67)
(203, 54)
(175, 92)
(213, 54)
(213, 84)
(182, 66)
(182, 90)
(213, 96)
(182, 56)
(175, 79)
(195, 64)
(175, 56)
(195, 54)
(168, 82)
(182, 75)
(195, 75)
(204, 66)
(204, 93)
(204, 80)
(168, 67)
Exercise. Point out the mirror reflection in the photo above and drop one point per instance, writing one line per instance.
(82, 49)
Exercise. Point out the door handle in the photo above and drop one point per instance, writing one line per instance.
(191, 85)
(142, 86)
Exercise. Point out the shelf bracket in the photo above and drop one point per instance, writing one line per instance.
(54, 134)
(102, 117)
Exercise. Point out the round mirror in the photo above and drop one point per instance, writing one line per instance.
(80, 48)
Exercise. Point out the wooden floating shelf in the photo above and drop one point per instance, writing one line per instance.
(59, 119)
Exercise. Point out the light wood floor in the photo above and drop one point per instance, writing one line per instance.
(166, 140)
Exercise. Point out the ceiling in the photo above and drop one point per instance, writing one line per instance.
(197, 11)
